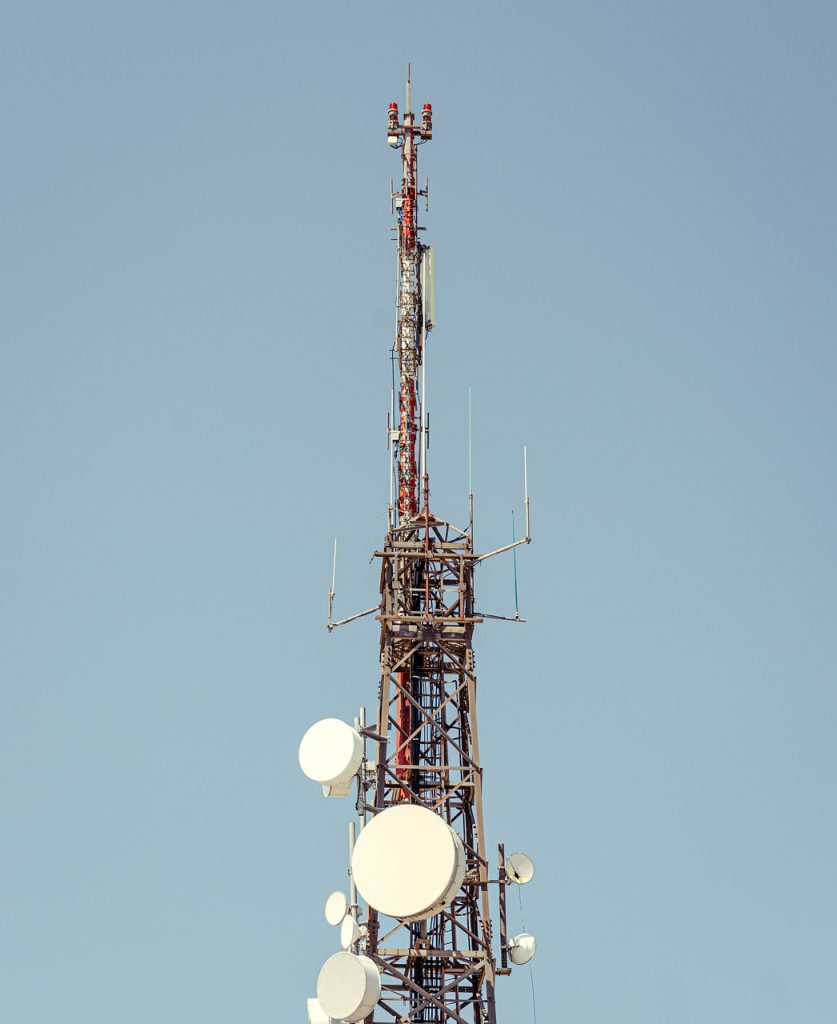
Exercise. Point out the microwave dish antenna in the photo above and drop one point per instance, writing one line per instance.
(336, 908)
(331, 752)
(349, 932)
(522, 948)
(348, 987)
(520, 868)
(408, 863)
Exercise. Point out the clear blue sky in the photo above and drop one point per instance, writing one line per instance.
(634, 213)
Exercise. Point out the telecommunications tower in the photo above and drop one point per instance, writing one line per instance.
(416, 934)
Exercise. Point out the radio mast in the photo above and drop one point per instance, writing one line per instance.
(417, 939)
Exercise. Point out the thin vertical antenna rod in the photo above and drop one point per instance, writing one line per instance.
(353, 887)
(514, 560)
(423, 426)
(331, 589)
(470, 478)
(526, 493)
(360, 804)
(390, 446)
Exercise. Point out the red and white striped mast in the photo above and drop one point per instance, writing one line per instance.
(412, 326)
(412, 322)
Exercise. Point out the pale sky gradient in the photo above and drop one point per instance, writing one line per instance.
(634, 213)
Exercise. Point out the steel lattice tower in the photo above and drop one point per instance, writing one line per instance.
(425, 739)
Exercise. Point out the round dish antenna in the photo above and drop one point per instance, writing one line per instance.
(331, 753)
(336, 908)
(348, 987)
(349, 932)
(522, 948)
(408, 863)
(316, 1014)
(519, 868)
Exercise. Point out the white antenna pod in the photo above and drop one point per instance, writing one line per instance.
(331, 753)
(522, 948)
(348, 987)
(336, 908)
(520, 868)
(428, 287)
(349, 932)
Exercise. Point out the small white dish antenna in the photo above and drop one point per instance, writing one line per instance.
(348, 987)
(336, 908)
(522, 948)
(408, 863)
(331, 753)
(316, 1014)
(349, 932)
(520, 868)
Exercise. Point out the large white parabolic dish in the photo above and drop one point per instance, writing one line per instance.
(331, 753)
(408, 863)
(348, 987)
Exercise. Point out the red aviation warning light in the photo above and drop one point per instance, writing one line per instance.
(392, 128)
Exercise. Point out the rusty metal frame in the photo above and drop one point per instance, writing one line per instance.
(442, 969)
